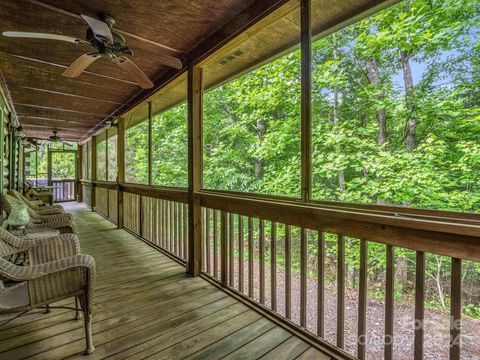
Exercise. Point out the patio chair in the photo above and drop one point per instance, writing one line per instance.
(62, 222)
(39, 285)
(37, 251)
(37, 205)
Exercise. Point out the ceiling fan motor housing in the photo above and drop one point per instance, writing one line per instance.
(109, 50)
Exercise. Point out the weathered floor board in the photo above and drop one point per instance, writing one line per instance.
(146, 307)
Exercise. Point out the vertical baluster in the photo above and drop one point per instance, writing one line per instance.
(273, 266)
(362, 300)
(167, 222)
(207, 239)
(250, 257)
(180, 229)
(455, 308)
(176, 228)
(389, 303)
(261, 255)
(172, 227)
(203, 217)
(240, 253)
(303, 277)
(288, 272)
(215, 244)
(321, 284)
(223, 248)
(162, 225)
(231, 271)
(419, 304)
(341, 291)
(185, 231)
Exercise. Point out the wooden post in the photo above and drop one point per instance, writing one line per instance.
(195, 92)
(120, 169)
(93, 171)
(149, 143)
(79, 172)
(306, 79)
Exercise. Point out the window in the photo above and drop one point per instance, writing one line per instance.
(169, 136)
(252, 122)
(112, 154)
(101, 157)
(393, 108)
(31, 165)
(85, 164)
(136, 147)
(88, 175)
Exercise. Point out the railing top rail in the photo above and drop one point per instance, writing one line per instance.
(450, 238)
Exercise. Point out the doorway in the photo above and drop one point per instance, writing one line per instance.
(62, 174)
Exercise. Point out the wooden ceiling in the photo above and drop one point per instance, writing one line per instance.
(44, 100)
(195, 31)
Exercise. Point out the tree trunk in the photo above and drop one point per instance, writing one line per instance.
(374, 78)
(336, 117)
(411, 125)
(257, 161)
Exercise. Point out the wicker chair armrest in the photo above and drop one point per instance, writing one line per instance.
(53, 248)
(63, 226)
(60, 279)
(56, 217)
(26, 273)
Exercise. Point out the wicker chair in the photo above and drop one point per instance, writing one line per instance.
(37, 251)
(37, 205)
(51, 269)
(62, 222)
(42, 284)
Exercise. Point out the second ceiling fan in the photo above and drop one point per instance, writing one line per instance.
(107, 43)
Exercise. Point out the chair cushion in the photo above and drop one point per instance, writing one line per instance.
(14, 296)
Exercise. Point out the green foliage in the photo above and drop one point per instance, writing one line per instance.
(169, 147)
(251, 134)
(136, 153)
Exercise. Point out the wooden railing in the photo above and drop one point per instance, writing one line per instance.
(86, 192)
(106, 199)
(158, 216)
(64, 190)
(249, 243)
(277, 255)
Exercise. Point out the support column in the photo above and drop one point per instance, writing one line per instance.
(120, 169)
(306, 99)
(195, 92)
(93, 171)
(79, 174)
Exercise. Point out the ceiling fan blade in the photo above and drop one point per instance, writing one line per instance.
(66, 143)
(137, 74)
(79, 65)
(169, 61)
(99, 28)
(34, 35)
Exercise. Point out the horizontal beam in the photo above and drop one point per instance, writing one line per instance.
(172, 194)
(56, 109)
(36, 89)
(29, 120)
(444, 238)
(64, 67)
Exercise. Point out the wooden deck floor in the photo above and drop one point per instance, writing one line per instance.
(146, 307)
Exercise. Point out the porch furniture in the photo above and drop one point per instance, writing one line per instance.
(62, 222)
(43, 194)
(39, 285)
(53, 269)
(32, 234)
(37, 205)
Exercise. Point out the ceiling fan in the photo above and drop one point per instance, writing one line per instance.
(107, 43)
(56, 138)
